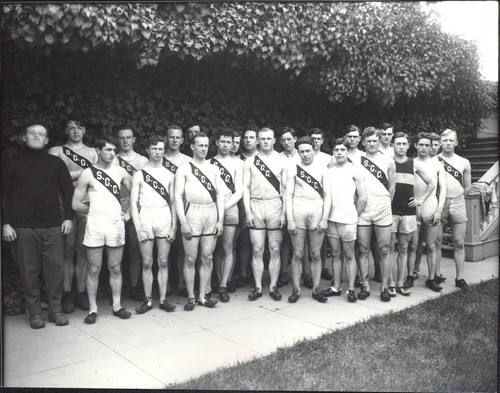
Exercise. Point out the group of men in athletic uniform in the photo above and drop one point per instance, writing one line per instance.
(251, 195)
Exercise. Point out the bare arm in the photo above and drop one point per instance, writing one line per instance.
(173, 211)
(291, 174)
(428, 180)
(134, 205)
(180, 183)
(283, 185)
(219, 183)
(247, 181)
(391, 176)
(327, 203)
(360, 190)
(467, 177)
(82, 185)
(238, 188)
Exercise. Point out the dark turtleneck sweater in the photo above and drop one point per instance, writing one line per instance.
(31, 183)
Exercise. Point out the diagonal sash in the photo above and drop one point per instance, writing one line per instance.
(307, 178)
(224, 174)
(76, 158)
(103, 178)
(267, 173)
(205, 181)
(379, 174)
(156, 185)
(452, 171)
(169, 165)
(125, 165)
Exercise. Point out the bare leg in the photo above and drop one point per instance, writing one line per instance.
(227, 253)
(298, 241)
(275, 238)
(115, 274)
(258, 239)
(459, 251)
(364, 237)
(383, 243)
(190, 254)
(163, 247)
(94, 256)
(336, 248)
(207, 245)
(146, 248)
(315, 241)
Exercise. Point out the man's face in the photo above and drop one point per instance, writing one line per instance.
(423, 147)
(126, 140)
(250, 140)
(435, 146)
(35, 137)
(236, 144)
(108, 152)
(288, 142)
(156, 152)
(266, 140)
(317, 140)
(386, 136)
(195, 130)
(400, 146)
(371, 144)
(306, 153)
(75, 132)
(448, 143)
(340, 153)
(224, 145)
(353, 139)
(174, 139)
(200, 147)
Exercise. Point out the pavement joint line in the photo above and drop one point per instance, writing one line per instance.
(120, 355)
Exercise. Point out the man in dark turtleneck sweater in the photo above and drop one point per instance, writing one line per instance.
(31, 220)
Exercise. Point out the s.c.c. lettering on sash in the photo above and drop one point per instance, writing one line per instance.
(169, 165)
(156, 185)
(204, 180)
(128, 167)
(224, 174)
(268, 174)
(307, 178)
(103, 178)
(452, 171)
(76, 158)
(379, 174)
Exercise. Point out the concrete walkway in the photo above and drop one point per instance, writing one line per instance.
(156, 349)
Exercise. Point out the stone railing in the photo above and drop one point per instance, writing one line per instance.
(481, 240)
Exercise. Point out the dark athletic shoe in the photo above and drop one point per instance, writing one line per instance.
(319, 296)
(189, 306)
(351, 296)
(403, 290)
(67, 303)
(223, 296)
(392, 291)
(282, 281)
(166, 306)
(294, 296)
(255, 293)
(357, 282)
(231, 286)
(439, 279)
(385, 296)
(58, 318)
(462, 284)
(36, 321)
(275, 294)
(415, 274)
(409, 282)
(122, 313)
(209, 303)
(91, 318)
(144, 307)
(331, 292)
(364, 293)
(433, 285)
(325, 274)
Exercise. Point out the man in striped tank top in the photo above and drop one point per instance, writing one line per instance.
(404, 204)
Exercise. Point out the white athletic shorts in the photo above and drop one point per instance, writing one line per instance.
(104, 230)
(377, 212)
(202, 219)
(266, 213)
(155, 222)
(307, 213)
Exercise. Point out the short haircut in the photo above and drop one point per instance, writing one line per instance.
(76, 120)
(369, 131)
(249, 131)
(125, 127)
(265, 129)
(236, 134)
(102, 139)
(316, 131)
(423, 135)
(448, 132)
(284, 130)
(201, 134)
(228, 133)
(174, 127)
(341, 141)
(434, 136)
(385, 126)
(153, 140)
(400, 135)
(352, 128)
(25, 130)
(305, 140)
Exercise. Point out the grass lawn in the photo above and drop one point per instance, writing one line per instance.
(445, 344)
